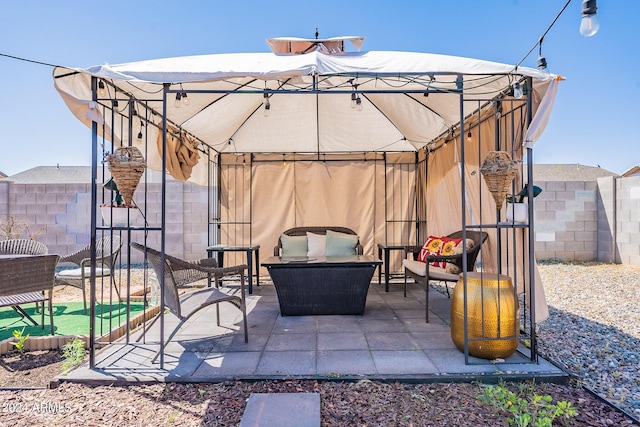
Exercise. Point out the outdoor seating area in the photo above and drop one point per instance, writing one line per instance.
(385, 169)
(389, 340)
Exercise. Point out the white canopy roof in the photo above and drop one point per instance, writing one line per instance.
(408, 99)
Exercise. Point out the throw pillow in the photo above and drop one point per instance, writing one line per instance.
(293, 245)
(317, 244)
(452, 268)
(341, 244)
(442, 246)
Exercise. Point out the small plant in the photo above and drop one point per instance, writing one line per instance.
(15, 228)
(73, 353)
(530, 410)
(19, 335)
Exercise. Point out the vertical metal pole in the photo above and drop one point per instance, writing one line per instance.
(386, 199)
(209, 198)
(94, 202)
(463, 206)
(218, 185)
(415, 195)
(532, 260)
(163, 220)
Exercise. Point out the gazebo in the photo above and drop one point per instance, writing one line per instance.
(390, 144)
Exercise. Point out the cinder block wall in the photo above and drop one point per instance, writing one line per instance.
(566, 221)
(574, 221)
(607, 251)
(628, 220)
(64, 211)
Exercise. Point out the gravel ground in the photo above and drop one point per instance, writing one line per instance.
(593, 330)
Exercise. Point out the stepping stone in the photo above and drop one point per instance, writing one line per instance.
(282, 410)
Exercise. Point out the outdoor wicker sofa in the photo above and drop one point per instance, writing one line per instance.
(322, 230)
(328, 283)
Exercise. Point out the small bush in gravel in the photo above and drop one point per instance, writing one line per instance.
(19, 335)
(73, 353)
(527, 407)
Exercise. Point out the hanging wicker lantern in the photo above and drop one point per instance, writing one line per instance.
(126, 165)
(498, 171)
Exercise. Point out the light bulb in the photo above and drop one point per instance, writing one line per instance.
(353, 101)
(469, 136)
(267, 106)
(185, 100)
(358, 104)
(517, 90)
(589, 24)
(140, 135)
(178, 103)
(115, 105)
(542, 68)
(102, 91)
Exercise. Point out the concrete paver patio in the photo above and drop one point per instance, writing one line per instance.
(391, 341)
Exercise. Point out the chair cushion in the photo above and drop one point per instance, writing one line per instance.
(435, 273)
(317, 244)
(76, 273)
(293, 245)
(340, 244)
(443, 245)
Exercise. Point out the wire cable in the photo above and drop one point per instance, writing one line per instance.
(28, 60)
(539, 42)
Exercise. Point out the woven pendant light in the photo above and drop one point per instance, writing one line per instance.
(126, 165)
(498, 171)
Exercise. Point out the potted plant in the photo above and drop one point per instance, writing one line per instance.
(517, 206)
(117, 213)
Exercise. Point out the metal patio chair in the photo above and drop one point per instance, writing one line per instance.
(107, 252)
(186, 305)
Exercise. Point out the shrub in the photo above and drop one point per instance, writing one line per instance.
(527, 408)
(73, 353)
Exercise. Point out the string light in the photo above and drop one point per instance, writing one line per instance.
(267, 105)
(589, 24)
(542, 64)
(469, 136)
(185, 99)
(140, 131)
(178, 103)
(356, 102)
(517, 90)
(102, 91)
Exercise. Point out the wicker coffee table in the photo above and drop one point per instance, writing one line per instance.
(322, 285)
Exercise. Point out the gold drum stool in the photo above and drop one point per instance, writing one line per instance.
(491, 304)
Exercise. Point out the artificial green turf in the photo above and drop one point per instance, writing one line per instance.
(68, 319)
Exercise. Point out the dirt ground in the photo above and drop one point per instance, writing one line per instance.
(27, 400)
